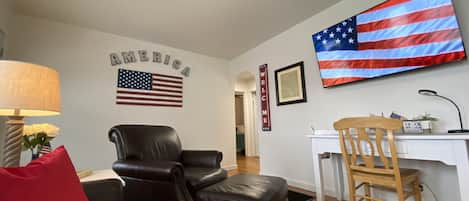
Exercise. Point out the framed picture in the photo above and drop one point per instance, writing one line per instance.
(290, 84)
(2, 44)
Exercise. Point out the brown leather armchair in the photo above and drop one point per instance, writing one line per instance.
(154, 166)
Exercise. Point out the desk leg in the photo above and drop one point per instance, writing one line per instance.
(338, 176)
(318, 180)
(462, 166)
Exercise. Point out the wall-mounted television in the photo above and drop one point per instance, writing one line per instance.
(393, 37)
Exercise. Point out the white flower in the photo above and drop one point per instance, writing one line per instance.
(36, 128)
(49, 129)
(28, 130)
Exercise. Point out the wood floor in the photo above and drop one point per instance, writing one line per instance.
(250, 165)
(246, 165)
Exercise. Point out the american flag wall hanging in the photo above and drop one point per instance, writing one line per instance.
(149, 89)
(396, 36)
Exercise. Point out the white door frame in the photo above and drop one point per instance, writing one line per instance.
(254, 123)
(250, 135)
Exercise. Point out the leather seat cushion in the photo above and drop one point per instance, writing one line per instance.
(407, 176)
(244, 187)
(198, 178)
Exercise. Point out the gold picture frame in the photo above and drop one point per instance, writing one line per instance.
(290, 84)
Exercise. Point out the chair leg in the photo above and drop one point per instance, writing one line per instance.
(416, 189)
(367, 191)
(351, 189)
(400, 192)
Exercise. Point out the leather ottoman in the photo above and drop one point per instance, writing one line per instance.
(244, 187)
(103, 190)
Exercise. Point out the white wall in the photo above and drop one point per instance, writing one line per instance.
(5, 16)
(242, 85)
(286, 148)
(89, 85)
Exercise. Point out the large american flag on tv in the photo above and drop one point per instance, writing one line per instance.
(396, 36)
(148, 89)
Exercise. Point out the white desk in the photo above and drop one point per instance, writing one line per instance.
(449, 149)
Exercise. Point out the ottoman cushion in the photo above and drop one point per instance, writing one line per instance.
(198, 178)
(246, 187)
(104, 190)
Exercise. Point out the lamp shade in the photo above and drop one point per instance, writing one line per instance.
(28, 90)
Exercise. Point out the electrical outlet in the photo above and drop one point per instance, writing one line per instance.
(427, 193)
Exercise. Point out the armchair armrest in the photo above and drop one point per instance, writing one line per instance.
(209, 159)
(149, 170)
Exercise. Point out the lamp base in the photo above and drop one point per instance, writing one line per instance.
(459, 131)
(12, 146)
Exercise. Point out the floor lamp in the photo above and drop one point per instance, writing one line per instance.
(25, 90)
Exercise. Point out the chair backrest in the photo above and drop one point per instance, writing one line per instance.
(361, 145)
(145, 142)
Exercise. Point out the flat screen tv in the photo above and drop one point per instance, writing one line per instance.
(393, 37)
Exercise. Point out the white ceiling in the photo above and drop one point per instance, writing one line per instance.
(218, 28)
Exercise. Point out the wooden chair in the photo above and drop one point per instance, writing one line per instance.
(360, 152)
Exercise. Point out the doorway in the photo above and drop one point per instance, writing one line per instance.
(247, 136)
(240, 129)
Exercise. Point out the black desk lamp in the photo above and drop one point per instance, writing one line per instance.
(427, 92)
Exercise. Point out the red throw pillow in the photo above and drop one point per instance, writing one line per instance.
(49, 178)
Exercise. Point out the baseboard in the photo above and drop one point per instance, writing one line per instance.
(230, 167)
(308, 186)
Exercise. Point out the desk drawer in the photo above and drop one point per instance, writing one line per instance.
(401, 148)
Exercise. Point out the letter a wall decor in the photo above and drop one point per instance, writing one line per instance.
(265, 103)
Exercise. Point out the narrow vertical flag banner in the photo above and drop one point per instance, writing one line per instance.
(265, 103)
